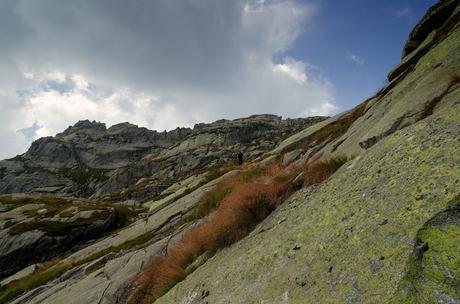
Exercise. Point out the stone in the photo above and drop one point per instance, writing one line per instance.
(20, 274)
(42, 211)
(35, 232)
(299, 180)
(102, 285)
(379, 230)
(82, 215)
(291, 156)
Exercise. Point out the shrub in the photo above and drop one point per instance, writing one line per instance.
(235, 217)
(334, 129)
(319, 171)
(123, 215)
(338, 128)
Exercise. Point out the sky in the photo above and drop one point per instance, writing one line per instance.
(168, 63)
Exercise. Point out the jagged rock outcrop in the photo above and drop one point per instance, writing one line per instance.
(77, 160)
(208, 146)
(433, 20)
(34, 229)
(89, 159)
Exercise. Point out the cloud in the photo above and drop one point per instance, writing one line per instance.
(158, 64)
(295, 69)
(30, 132)
(356, 59)
(405, 12)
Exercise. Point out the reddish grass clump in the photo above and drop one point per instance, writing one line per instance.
(254, 195)
(319, 171)
(239, 212)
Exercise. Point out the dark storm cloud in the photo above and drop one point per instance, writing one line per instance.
(148, 43)
(157, 63)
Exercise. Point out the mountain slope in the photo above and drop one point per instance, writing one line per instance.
(385, 227)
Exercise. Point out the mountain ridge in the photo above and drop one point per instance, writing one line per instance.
(98, 152)
(371, 214)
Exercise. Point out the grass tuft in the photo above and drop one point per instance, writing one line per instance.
(319, 171)
(38, 278)
(254, 195)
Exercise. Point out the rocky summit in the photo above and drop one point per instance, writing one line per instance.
(88, 159)
(362, 207)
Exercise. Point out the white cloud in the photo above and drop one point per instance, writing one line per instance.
(295, 69)
(356, 59)
(325, 109)
(52, 110)
(405, 12)
(158, 64)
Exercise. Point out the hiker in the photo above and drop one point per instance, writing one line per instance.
(240, 158)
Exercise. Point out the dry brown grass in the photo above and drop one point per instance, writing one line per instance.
(318, 171)
(249, 203)
(239, 212)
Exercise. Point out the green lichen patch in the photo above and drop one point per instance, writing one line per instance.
(433, 269)
(142, 239)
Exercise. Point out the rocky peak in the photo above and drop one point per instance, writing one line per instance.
(84, 126)
(90, 158)
(435, 17)
(123, 127)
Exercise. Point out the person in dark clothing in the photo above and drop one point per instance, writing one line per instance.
(239, 155)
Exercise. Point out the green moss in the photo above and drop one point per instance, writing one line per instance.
(38, 278)
(83, 175)
(208, 203)
(218, 171)
(50, 201)
(327, 130)
(123, 215)
(43, 276)
(58, 228)
(125, 246)
(339, 127)
(252, 173)
(433, 269)
(199, 262)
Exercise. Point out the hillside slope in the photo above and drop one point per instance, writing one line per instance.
(385, 228)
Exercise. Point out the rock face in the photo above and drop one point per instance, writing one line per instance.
(356, 232)
(89, 159)
(384, 228)
(433, 20)
(35, 229)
